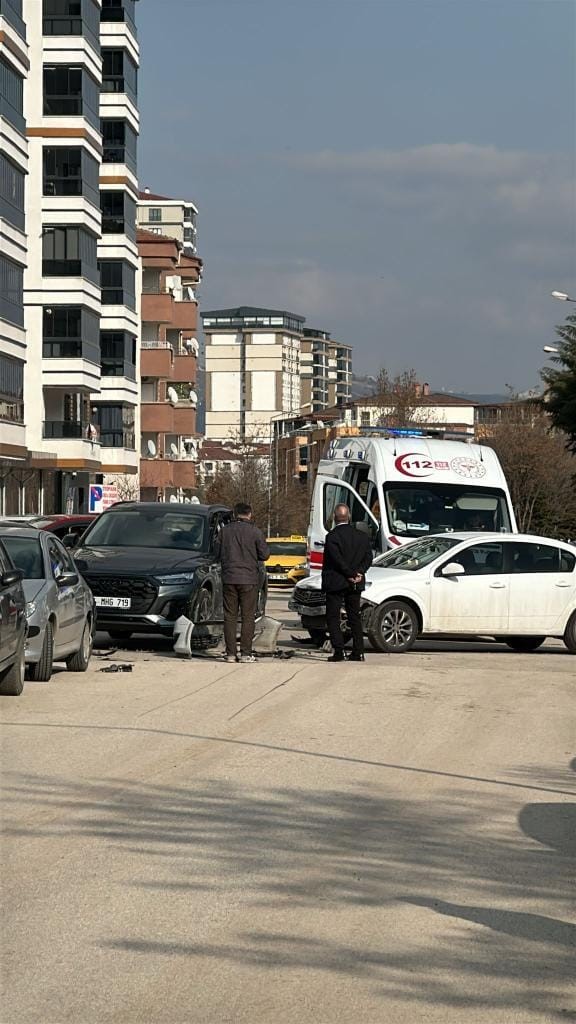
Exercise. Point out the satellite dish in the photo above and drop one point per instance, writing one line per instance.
(172, 396)
(151, 448)
(191, 345)
(174, 448)
(173, 498)
(193, 397)
(194, 500)
(320, 424)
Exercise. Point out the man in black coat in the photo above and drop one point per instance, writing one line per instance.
(347, 557)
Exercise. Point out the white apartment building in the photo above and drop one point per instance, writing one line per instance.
(252, 371)
(175, 218)
(326, 371)
(80, 388)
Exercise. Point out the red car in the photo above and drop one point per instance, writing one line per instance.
(61, 525)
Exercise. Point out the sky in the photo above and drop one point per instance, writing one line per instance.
(399, 172)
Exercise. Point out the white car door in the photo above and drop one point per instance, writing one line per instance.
(330, 491)
(542, 587)
(476, 601)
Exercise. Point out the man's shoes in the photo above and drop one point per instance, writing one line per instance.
(231, 658)
(356, 656)
(337, 656)
(248, 659)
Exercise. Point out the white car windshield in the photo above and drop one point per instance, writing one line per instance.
(415, 510)
(417, 554)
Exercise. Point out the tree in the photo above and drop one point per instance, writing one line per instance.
(398, 397)
(541, 473)
(560, 380)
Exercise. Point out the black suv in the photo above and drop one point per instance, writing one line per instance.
(148, 563)
(12, 627)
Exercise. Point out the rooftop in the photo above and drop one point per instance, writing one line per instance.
(250, 312)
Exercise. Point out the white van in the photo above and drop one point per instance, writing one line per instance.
(408, 485)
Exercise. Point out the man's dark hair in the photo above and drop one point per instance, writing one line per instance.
(242, 509)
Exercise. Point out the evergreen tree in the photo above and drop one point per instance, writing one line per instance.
(560, 380)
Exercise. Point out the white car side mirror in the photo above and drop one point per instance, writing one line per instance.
(453, 569)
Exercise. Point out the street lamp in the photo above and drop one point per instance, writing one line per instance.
(562, 296)
(551, 350)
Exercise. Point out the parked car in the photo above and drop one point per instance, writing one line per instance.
(61, 525)
(12, 627)
(148, 563)
(513, 588)
(285, 554)
(59, 605)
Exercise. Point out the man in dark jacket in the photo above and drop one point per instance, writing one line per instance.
(347, 557)
(241, 548)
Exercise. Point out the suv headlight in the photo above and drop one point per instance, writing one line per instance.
(176, 578)
(30, 609)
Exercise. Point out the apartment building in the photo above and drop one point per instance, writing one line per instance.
(14, 69)
(79, 353)
(326, 370)
(175, 218)
(169, 366)
(252, 370)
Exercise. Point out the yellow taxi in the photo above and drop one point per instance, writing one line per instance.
(287, 562)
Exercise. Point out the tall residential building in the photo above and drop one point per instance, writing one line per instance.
(252, 370)
(326, 371)
(169, 362)
(81, 389)
(14, 69)
(175, 218)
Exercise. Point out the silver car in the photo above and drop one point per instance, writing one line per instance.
(59, 604)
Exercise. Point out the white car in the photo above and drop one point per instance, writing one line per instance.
(515, 588)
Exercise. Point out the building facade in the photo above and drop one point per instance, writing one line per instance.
(252, 370)
(169, 366)
(175, 218)
(80, 391)
(14, 70)
(326, 371)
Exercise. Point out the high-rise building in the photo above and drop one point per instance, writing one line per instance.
(326, 371)
(169, 363)
(252, 370)
(175, 218)
(14, 69)
(80, 349)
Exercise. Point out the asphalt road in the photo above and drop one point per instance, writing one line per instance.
(386, 843)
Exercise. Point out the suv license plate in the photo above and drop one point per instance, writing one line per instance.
(113, 602)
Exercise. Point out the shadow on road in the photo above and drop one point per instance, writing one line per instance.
(277, 849)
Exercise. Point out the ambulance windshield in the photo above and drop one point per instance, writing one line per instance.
(415, 510)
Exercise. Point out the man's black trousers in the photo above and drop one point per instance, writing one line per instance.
(351, 601)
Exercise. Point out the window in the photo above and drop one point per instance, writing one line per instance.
(62, 17)
(11, 192)
(11, 95)
(481, 559)
(441, 508)
(62, 171)
(116, 426)
(68, 252)
(118, 350)
(154, 213)
(26, 555)
(118, 213)
(530, 558)
(11, 10)
(11, 291)
(117, 10)
(119, 73)
(119, 142)
(62, 91)
(70, 332)
(11, 389)
(335, 494)
(416, 554)
(118, 283)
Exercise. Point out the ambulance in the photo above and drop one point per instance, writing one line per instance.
(403, 483)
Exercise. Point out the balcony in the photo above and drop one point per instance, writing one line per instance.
(157, 307)
(163, 418)
(156, 362)
(165, 473)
